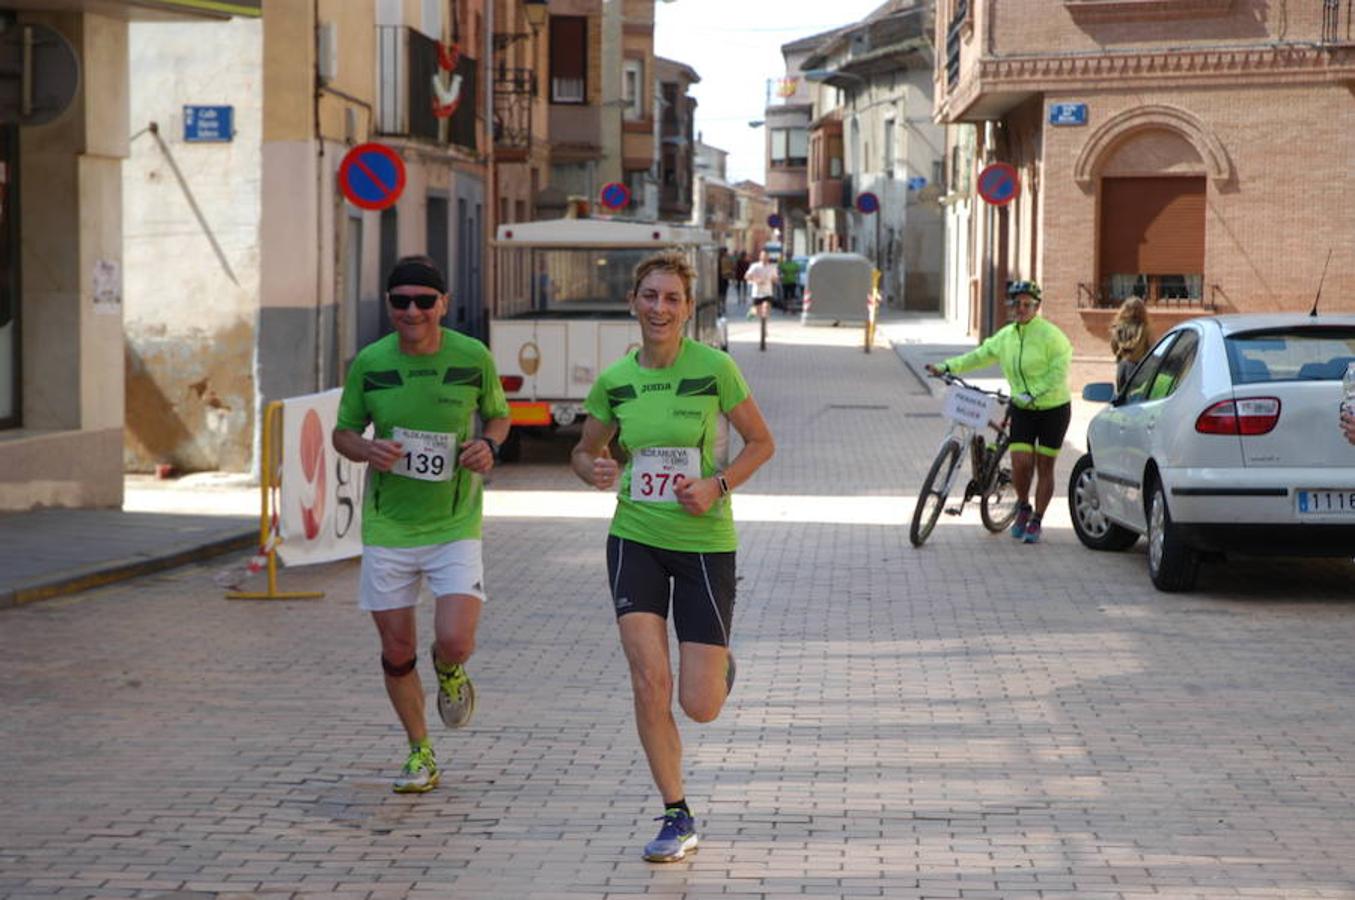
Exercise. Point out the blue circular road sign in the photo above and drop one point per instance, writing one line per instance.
(867, 202)
(372, 176)
(999, 184)
(615, 195)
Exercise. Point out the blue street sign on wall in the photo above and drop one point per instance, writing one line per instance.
(202, 124)
(1068, 114)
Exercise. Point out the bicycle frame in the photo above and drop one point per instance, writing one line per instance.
(969, 410)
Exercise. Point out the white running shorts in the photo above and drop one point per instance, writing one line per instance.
(391, 576)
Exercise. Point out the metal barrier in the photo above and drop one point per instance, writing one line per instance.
(270, 486)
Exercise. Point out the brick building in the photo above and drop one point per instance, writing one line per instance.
(1198, 153)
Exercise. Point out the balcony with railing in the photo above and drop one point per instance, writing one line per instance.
(955, 32)
(514, 97)
(413, 84)
(1184, 292)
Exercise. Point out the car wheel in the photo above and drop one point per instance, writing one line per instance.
(1172, 564)
(1093, 529)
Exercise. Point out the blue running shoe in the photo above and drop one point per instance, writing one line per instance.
(1022, 517)
(677, 837)
(1033, 529)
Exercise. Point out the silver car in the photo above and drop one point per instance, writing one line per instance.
(1225, 438)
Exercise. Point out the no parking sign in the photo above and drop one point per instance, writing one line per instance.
(372, 176)
(999, 183)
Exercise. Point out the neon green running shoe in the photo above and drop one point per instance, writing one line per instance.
(420, 773)
(456, 694)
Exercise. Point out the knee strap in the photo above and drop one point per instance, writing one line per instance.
(399, 671)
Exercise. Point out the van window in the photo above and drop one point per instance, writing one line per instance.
(1300, 353)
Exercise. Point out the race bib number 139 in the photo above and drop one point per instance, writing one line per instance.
(428, 455)
(657, 471)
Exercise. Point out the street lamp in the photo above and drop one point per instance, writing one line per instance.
(537, 12)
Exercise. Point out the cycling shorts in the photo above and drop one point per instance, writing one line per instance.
(1042, 430)
(701, 585)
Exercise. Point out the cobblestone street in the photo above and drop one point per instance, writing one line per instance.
(975, 718)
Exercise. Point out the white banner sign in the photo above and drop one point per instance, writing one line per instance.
(321, 496)
(968, 406)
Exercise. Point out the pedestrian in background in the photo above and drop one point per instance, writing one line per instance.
(1034, 355)
(1129, 335)
(420, 388)
(740, 271)
(762, 277)
(672, 535)
(726, 270)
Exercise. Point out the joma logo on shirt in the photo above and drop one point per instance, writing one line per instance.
(650, 388)
(422, 373)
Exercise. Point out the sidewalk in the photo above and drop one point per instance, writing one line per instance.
(163, 524)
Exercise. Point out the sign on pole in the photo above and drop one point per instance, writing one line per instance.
(774, 221)
(999, 184)
(615, 195)
(372, 176)
(867, 203)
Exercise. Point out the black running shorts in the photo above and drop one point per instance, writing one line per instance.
(1043, 427)
(642, 578)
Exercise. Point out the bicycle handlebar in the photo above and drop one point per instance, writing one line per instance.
(952, 378)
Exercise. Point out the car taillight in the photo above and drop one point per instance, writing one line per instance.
(511, 382)
(1250, 416)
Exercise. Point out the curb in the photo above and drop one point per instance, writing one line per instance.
(101, 574)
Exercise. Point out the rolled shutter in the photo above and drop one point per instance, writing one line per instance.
(1152, 226)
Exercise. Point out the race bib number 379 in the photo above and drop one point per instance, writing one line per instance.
(657, 471)
(427, 455)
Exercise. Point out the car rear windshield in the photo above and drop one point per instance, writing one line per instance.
(1311, 353)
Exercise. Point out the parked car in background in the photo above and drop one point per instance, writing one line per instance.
(1224, 439)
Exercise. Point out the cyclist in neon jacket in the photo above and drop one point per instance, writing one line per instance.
(1034, 355)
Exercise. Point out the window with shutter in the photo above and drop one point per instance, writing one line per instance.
(568, 58)
(1152, 239)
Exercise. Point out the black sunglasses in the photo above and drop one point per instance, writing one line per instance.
(422, 301)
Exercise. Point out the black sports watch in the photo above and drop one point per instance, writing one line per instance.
(493, 446)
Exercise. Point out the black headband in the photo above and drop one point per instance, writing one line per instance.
(414, 272)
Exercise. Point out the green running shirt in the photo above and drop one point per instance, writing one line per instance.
(680, 406)
(440, 393)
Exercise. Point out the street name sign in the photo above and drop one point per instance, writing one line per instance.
(208, 124)
(1068, 114)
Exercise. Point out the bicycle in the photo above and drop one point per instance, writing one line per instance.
(968, 408)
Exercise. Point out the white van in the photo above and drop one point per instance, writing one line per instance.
(837, 288)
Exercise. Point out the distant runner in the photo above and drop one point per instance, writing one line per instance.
(673, 523)
(421, 389)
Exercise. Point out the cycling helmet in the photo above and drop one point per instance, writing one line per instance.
(1017, 288)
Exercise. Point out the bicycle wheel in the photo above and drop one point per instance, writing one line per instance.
(934, 490)
(998, 505)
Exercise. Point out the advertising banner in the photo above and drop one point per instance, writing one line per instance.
(320, 501)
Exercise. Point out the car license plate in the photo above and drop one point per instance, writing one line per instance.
(1324, 502)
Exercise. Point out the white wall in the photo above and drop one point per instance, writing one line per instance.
(174, 281)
